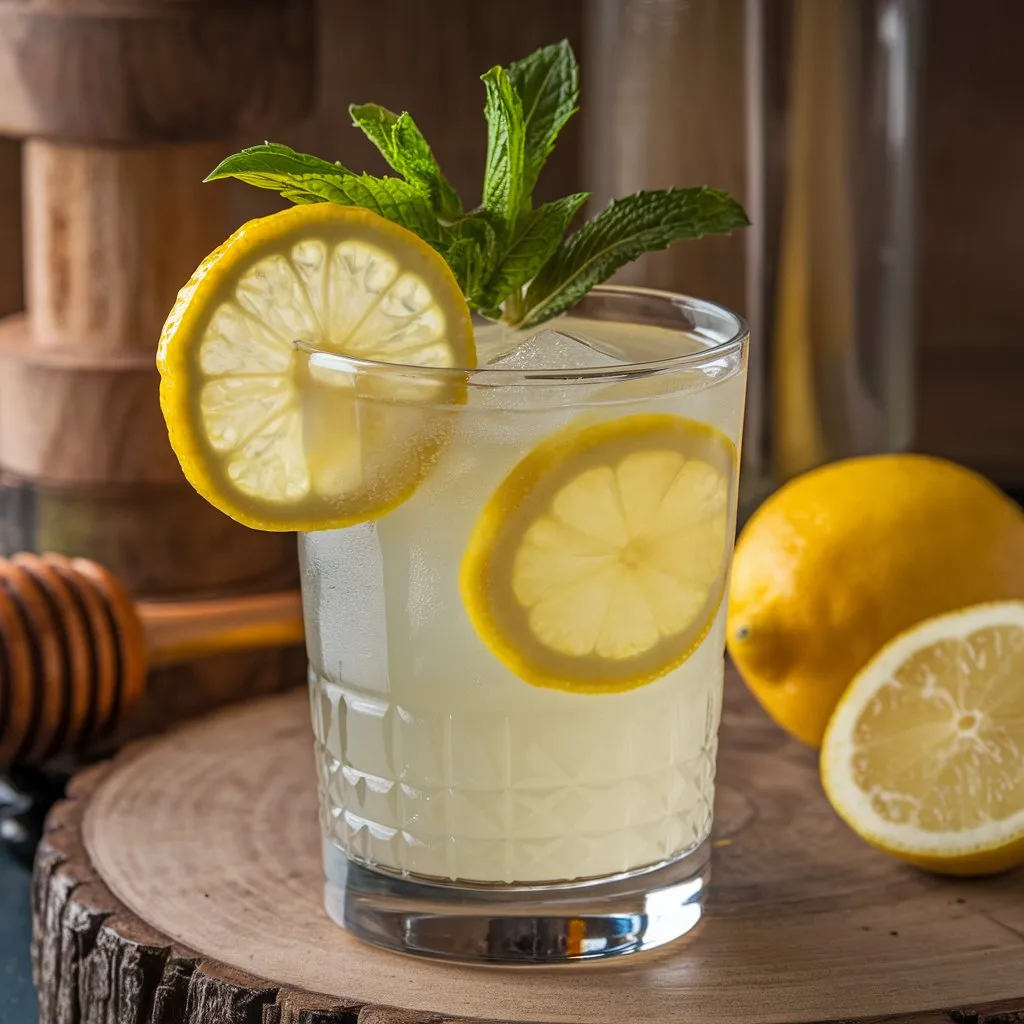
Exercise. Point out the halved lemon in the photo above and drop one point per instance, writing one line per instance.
(282, 440)
(600, 561)
(924, 755)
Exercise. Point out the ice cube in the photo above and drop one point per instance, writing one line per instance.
(543, 351)
(633, 342)
(494, 339)
(508, 411)
(553, 350)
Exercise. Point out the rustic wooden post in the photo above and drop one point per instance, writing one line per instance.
(122, 104)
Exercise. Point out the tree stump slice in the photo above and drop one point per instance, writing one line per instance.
(181, 884)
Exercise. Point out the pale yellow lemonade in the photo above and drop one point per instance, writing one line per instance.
(434, 758)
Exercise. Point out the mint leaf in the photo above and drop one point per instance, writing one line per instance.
(506, 138)
(535, 241)
(377, 123)
(307, 179)
(402, 144)
(619, 234)
(397, 201)
(548, 85)
(297, 176)
(419, 165)
(472, 255)
(466, 261)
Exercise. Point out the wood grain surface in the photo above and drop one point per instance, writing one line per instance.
(39, 620)
(119, 99)
(18, 715)
(82, 704)
(71, 417)
(178, 631)
(115, 232)
(182, 884)
(129, 71)
(105, 656)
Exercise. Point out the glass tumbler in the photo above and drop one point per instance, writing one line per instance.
(516, 669)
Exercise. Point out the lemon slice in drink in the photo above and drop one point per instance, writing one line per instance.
(280, 440)
(599, 563)
(924, 755)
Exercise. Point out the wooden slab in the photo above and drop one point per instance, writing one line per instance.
(182, 884)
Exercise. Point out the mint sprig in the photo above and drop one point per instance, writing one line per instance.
(511, 260)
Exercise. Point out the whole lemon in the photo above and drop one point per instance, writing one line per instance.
(842, 559)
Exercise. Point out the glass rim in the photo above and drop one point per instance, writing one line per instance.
(503, 377)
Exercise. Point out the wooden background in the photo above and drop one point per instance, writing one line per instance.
(970, 363)
(971, 237)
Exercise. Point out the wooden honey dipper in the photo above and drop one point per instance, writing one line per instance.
(75, 648)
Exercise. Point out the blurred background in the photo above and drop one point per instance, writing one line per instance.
(878, 146)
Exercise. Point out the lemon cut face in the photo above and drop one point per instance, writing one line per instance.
(924, 756)
(271, 436)
(599, 563)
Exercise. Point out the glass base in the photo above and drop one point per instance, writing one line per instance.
(523, 924)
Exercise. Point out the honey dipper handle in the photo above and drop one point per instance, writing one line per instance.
(181, 631)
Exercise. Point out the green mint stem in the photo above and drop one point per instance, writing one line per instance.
(513, 308)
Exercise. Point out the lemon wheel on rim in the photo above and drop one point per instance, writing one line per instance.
(263, 432)
(599, 563)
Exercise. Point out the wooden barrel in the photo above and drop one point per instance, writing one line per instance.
(124, 108)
